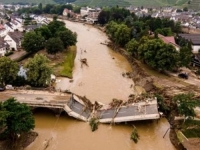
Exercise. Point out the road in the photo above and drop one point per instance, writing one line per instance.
(78, 108)
(33, 95)
(129, 111)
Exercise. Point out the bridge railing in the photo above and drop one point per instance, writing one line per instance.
(43, 104)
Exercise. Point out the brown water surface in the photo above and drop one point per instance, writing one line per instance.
(101, 81)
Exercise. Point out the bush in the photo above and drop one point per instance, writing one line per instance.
(9, 53)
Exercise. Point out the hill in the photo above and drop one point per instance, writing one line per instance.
(107, 2)
(131, 2)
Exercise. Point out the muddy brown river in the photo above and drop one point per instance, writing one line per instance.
(102, 81)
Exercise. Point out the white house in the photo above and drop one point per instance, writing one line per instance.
(3, 31)
(84, 11)
(14, 39)
(3, 47)
(8, 26)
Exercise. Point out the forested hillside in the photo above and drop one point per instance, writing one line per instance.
(106, 2)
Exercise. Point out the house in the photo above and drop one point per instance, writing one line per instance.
(8, 26)
(14, 39)
(93, 15)
(3, 47)
(3, 31)
(84, 11)
(195, 40)
(169, 40)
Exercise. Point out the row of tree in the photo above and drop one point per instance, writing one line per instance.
(149, 48)
(37, 69)
(55, 37)
(48, 9)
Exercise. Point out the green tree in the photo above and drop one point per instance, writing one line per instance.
(32, 42)
(186, 104)
(67, 37)
(122, 35)
(19, 120)
(185, 56)
(8, 70)
(132, 47)
(55, 26)
(38, 71)
(40, 6)
(158, 55)
(44, 32)
(54, 45)
(3, 116)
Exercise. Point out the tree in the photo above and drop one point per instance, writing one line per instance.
(185, 56)
(44, 32)
(32, 42)
(38, 72)
(19, 119)
(55, 26)
(54, 45)
(158, 55)
(186, 104)
(3, 115)
(8, 70)
(103, 17)
(40, 6)
(67, 37)
(132, 47)
(122, 35)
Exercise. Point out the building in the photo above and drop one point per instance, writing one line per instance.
(93, 15)
(14, 39)
(169, 40)
(84, 11)
(195, 40)
(3, 47)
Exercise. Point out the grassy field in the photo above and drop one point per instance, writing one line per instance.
(28, 1)
(64, 65)
(110, 2)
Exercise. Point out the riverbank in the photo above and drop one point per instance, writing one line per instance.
(21, 143)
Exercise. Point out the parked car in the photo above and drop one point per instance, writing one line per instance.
(2, 89)
(183, 75)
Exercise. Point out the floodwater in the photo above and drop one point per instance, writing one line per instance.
(100, 81)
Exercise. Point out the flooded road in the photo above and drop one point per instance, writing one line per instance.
(102, 80)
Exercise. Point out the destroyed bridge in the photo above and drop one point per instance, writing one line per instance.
(82, 109)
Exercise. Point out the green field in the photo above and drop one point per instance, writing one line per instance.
(28, 1)
(110, 2)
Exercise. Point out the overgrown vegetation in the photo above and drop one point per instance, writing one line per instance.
(191, 128)
(65, 67)
(94, 124)
(134, 135)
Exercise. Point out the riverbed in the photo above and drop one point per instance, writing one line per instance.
(101, 81)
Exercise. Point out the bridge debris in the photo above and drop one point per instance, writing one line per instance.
(83, 62)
